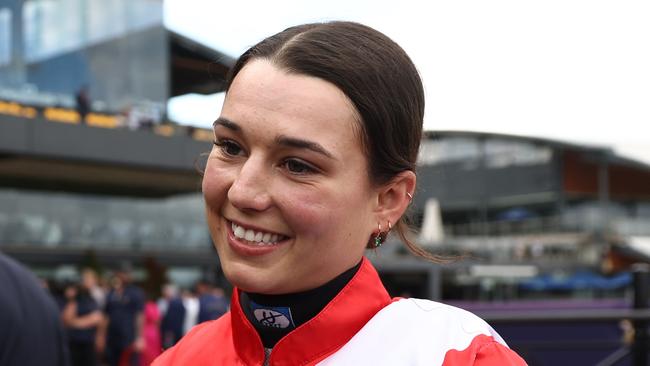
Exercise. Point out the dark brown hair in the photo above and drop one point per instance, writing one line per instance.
(375, 74)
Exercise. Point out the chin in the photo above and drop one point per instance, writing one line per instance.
(248, 279)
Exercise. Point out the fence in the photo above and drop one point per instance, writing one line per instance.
(613, 352)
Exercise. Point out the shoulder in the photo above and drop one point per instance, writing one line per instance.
(427, 309)
(466, 339)
(450, 326)
(29, 316)
(483, 351)
(197, 347)
(14, 274)
(423, 332)
(10, 303)
(22, 291)
(445, 318)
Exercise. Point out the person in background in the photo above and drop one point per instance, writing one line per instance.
(173, 315)
(81, 316)
(191, 304)
(168, 291)
(212, 302)
(90, 281)
(121, 334)
(151, 333)
(31, 332)
(83, 103)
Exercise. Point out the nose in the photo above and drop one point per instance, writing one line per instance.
(249, 191)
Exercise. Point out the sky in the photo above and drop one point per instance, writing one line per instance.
(573, 70)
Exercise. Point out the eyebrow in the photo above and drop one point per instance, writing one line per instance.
(302, 144)
(225, 122)
(282, 140)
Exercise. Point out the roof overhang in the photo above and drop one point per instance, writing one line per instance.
(43, 155)
(195, 67)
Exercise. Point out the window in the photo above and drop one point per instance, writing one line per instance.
(449, 149)
(5, 36)
(502, 153)
(53, 27)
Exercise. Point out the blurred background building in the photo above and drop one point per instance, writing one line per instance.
(93, 173)
(90, 167)
(119, 52)
(535, 217)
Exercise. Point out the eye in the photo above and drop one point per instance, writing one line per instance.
(228, 147)
(295, 166)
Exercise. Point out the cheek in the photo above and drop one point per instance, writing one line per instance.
(215, 185)
(322, 214)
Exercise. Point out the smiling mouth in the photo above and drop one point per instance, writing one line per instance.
(254, 237)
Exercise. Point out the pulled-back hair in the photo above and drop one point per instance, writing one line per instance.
(375, 74)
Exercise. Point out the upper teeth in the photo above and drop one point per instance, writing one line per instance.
(254, 236)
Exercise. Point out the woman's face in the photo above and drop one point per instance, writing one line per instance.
(288, 199)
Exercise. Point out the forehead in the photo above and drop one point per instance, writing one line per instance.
(267, 97)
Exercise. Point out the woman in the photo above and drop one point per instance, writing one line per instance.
(150, 333)
(81, 316)
(314, 161)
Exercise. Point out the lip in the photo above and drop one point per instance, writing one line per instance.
(246, 250)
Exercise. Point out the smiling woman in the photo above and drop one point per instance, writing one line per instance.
(287, 163)
(314, 161)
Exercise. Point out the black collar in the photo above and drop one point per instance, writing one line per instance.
(274, 316)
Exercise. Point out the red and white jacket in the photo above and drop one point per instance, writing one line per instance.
(362, 325)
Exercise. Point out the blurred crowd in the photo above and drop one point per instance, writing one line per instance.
(112, 321)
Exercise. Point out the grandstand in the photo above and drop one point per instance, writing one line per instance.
(523, 208)
(121, 181)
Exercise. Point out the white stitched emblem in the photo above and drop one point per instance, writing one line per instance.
(271, 318)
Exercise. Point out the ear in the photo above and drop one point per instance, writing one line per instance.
(393, 199)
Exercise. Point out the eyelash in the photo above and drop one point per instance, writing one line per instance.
(224, 144)
(307, 169)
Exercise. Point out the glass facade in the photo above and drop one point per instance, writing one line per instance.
(449, 149)
(501, 153)
(53, 27)
(84, 221)
(5, 36)
(117, 49)
(496, 152)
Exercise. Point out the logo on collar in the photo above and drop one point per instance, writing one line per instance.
(272, 316)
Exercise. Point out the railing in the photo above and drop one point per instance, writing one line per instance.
(632, 226)
(547, 224)
(61, 220)
(636, 347)
(68, 115)
(560, 248)
(508, 227)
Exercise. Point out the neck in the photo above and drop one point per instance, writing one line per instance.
(274, 316)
